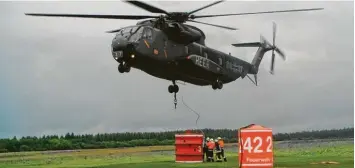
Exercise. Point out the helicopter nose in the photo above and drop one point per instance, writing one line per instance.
(118, 44)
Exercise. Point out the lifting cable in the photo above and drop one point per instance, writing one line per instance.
(198, 115)
(175, 100)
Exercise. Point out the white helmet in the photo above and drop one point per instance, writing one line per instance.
(208, 138)
(216, 140)
(219, 138)
(211, 139)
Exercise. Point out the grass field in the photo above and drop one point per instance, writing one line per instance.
(163, 156)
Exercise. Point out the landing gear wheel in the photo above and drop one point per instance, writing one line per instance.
(127, 68)
(214, 86)
(124, 68)
(219, 85)
(121, 68)
(171, 89)
(176, 88)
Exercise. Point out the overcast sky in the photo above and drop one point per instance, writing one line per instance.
(58, 75)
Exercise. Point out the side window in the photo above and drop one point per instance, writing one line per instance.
(126, 30)
(136, 34)
(186, 49)
(220, 61)
(205, 54)
(133, 30)
(148, 33)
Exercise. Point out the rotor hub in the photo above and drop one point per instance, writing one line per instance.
(178, 16)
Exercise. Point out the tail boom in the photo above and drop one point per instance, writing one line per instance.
(263, 47)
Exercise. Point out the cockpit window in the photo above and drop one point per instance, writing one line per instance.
(133, 29)
(126, 30)
(148, 33)
(136, 34)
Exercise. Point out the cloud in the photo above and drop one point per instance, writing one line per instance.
(58, 74)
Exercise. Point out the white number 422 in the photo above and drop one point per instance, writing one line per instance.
(247, 145)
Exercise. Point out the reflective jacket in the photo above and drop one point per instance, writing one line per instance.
(211, 145)
(221, 143)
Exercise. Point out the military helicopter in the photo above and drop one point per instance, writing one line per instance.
(167, 48)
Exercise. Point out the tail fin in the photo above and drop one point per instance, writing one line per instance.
(264, 46)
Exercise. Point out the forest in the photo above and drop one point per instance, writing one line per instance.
(71, 141)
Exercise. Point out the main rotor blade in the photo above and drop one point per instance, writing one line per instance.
(225, 27)
(214, 3)
(136, 17)
(251, 13)
(113, 31)
(272, 62)
(282, 54)
(146, 6)
(273, 33)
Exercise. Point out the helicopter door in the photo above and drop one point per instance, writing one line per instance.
(220, 61)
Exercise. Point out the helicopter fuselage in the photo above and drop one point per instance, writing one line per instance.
(152, 51)
(164, 47)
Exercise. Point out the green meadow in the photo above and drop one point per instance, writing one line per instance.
(314, 156)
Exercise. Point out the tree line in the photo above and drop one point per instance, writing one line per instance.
(70, 141)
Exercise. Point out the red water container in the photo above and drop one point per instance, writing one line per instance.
(189, 148)
(255, 147)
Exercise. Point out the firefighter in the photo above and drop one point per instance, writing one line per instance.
(218, 151)
(210, 145)
(221, 145)
(205, 149)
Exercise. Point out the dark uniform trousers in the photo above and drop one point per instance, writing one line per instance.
(205, 153)
(222, 153)
(218, 153)
(210, 155)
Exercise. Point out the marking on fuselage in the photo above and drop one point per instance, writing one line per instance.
(156, 52)
(203, 62)
(146, 43)
(233, 66)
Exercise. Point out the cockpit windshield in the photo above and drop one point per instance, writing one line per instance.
(128, 30)
(133, 33)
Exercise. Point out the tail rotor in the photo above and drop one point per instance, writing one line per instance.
(274, 48)
(263, 47)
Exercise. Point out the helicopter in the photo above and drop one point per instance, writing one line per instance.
(166, 47)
